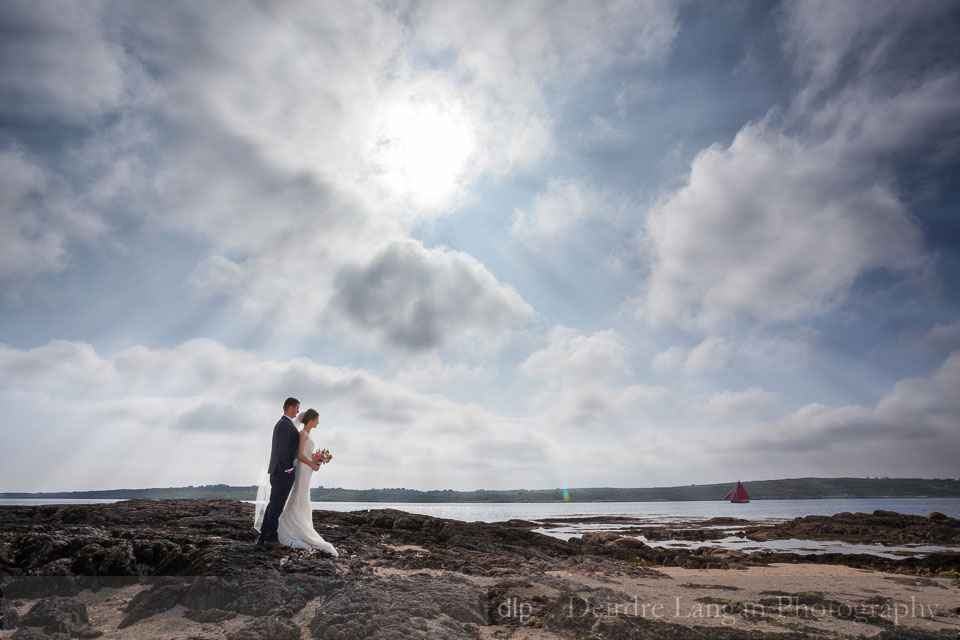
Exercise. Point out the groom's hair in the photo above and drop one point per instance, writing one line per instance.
(290, 402)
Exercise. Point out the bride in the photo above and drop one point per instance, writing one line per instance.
(296, 521)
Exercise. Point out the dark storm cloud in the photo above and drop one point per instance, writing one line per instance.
(216, 418)
(55, 60)
(417, 299)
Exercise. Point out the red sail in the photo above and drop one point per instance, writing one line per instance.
(740, 495)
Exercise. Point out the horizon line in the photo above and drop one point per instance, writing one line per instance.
(696, 484)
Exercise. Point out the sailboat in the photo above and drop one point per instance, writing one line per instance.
(738, 495)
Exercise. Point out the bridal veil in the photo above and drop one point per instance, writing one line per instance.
(262, 500)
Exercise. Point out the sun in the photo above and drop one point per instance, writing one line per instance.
(423, 150)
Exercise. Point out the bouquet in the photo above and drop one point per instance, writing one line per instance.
(321, 456)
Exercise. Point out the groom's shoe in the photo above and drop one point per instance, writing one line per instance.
(273, 544)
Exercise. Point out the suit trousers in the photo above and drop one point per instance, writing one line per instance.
(280, 485)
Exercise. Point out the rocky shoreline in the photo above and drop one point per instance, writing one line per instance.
(189, 569)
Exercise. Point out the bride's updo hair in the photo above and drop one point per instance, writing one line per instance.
(308, 415)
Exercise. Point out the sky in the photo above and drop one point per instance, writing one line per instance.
(527, 244)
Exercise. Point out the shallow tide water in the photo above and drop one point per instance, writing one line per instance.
(665, 511)
(674, 514)
(677, 513)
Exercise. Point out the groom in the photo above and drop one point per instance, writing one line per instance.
(283, 454)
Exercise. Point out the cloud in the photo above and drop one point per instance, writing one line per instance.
(303, 147)
(304, 143)
(548, 42)
(575, 217)
(60, 365)
(572, 357)
(941, 338)
(586, 380)
(865, 44)
(122, 416)
(591, 406)
(772, 230)
(38, 219)
(430, 371)
(418, 299)
(57, 61)
(216, 418)
(739, 403)
(669, 360)
(507, 58)
(630, 95)
(555, 212)
(710, 355)
(347, 271)
(778, 226)
(602, 134)
(787, 349)
(323, 176)
(357, 86)
(29, 246)
(910, 431)
(915, 418)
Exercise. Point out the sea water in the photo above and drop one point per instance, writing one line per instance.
(666, 511)
(654, 511)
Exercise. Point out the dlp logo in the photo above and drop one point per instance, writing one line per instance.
(515, 608)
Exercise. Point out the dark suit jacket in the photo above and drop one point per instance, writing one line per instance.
(283, 452)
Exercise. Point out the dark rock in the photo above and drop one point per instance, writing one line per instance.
(161, 554)
(523, 524)
(886, 514)
(463, 612)
(260, 601)
(725, 520)
(267, 628)
(115, 560)
(11, 618)
(630, 543)
(36, 550)
(163, 596)
(32, 633)
(42, 586)
(881, 526)
(383, 520)
(599, 537)
(399, 609)
(214, 592)
(406, 522)
(62, 567)
(60, 615)
(289, 607)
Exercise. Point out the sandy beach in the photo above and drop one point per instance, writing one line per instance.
(840, 602)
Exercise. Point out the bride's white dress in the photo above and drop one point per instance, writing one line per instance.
(296, 521)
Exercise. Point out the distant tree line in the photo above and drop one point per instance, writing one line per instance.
(786, 489)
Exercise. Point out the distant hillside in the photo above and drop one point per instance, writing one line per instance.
(792, 488)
